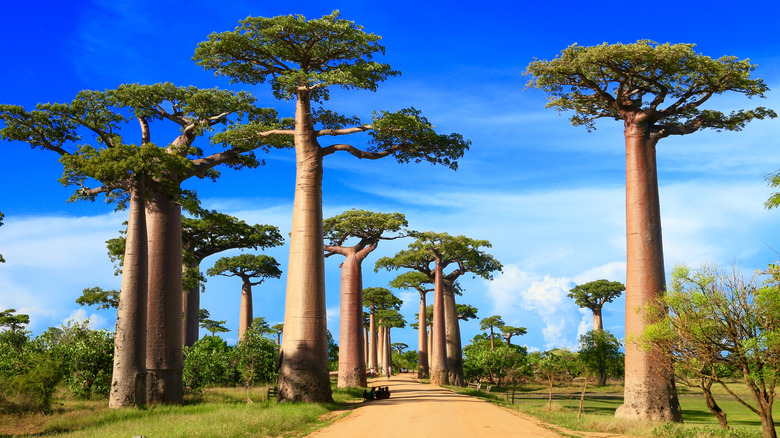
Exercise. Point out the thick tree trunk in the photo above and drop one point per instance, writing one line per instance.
(598, 324)
(767, 422)
(388, 353)
(190, 307)
(164, 362)
(649, 386)
(439, 370)
(246, 313)
(382, 348)
(128, 381)
(422, 342)
(303, 372)
(373, 351)
(454, 345)
(352, 364)
(365, 344)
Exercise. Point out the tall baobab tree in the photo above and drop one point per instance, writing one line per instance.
(246, 267)
(594, 295)
(377, 299)
(368, 228)
(148, 178)
(418, 281)
(278, 329)
(430, 254)
(210, 234)
(302, 60)
(490, 323)
(657, 90)
(388, 319)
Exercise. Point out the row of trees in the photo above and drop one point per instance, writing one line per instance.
(148, 179)
(301, 60)
(80, 359)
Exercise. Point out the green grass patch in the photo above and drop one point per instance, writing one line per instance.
(601, 402)
(222, 412)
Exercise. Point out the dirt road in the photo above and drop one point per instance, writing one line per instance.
(420, 410)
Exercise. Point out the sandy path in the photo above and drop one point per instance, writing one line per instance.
(420, 410)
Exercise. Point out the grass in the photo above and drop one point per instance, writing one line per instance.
(222, 412)
(601, 402)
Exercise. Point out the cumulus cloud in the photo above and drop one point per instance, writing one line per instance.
(94, 321)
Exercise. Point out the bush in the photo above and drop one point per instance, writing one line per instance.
(32, 389)
(209, 362)
(256, 358)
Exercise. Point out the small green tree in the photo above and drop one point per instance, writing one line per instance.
(600, 353)
(87, 357)
(210, 361)
(721, 317)
(256, 357)
(511, 331)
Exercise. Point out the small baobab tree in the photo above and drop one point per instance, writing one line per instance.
(246, 267)
(594, 295)
(511, 331)
(490, 323)
(368, 228)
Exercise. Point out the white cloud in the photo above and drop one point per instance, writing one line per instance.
(95, 321)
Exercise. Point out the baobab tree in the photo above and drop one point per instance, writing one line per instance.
(419, 282)
(148, 178)
(594, 295)
(377, 299)
(246, 267)
(430, 254)
(511, 331)
(302, 59)
(490, 323)
(388, 319)
(209, 234)
(369, 228)
(278, 329)
(657, 90)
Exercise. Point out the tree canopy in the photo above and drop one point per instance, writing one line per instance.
(247, 266)
(594, 294)
(667, 83)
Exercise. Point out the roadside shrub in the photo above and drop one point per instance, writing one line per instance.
(32, 389)
(209, 362)
(256, 358)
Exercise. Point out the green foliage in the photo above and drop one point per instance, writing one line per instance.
(31, 389)
(95, 296)
(467, 253)
(380, 298)
(247, 266)
(333, 353)
(504, 362)
(594, 294)
(407, 359)
(13, 321)
(209, 362)
(214, 326)
(614, 80)
(600, 350)
(677, 430)
(712, 318)
(294, 53)
(87, 358)
(368, 226)
(256, 356)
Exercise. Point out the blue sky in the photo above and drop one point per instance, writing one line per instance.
(549, 196)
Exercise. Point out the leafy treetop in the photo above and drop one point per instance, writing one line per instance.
(247, 266)
(662, 86)
(12, 320)
(594, 294)
(370, 227)
(380, 298)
